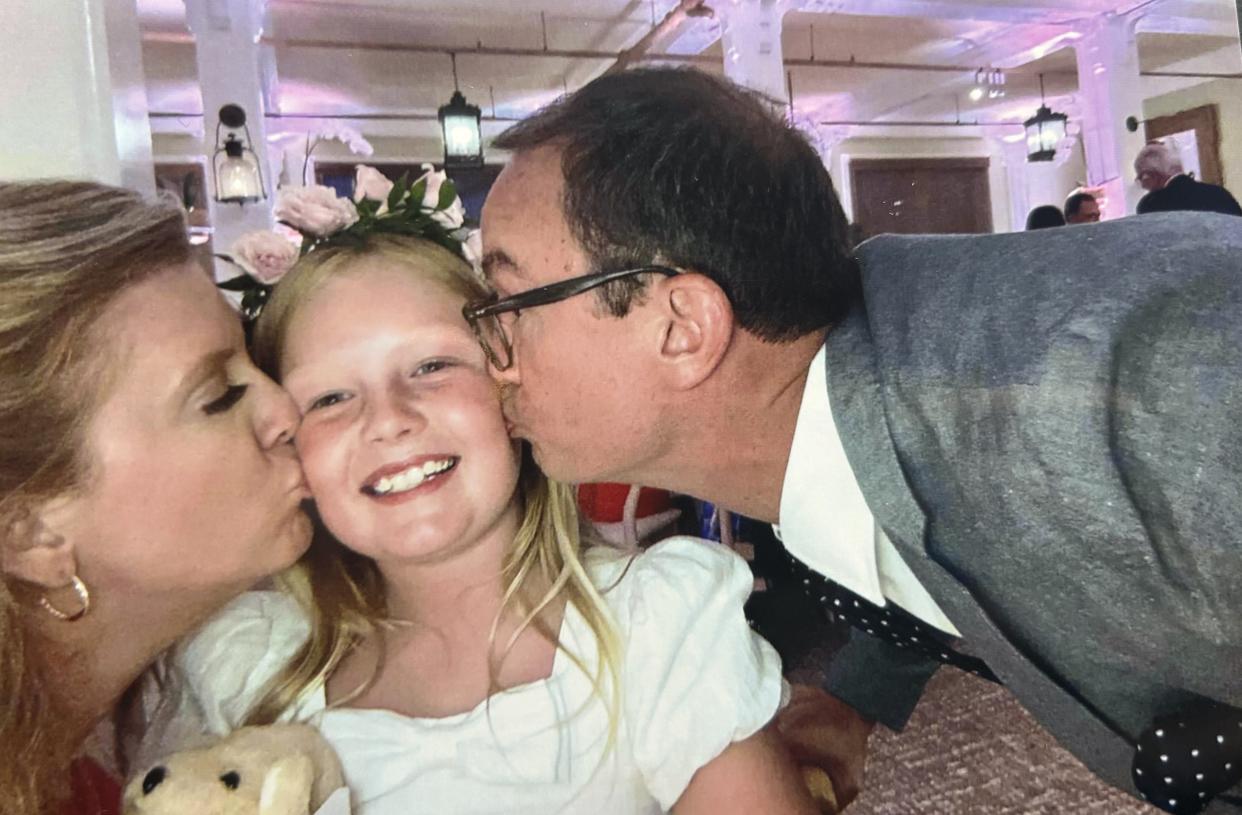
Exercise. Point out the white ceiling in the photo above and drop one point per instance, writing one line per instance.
(359, 64)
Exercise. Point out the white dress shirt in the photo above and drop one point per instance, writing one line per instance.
(825, 521)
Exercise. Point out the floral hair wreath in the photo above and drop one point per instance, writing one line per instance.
(313, 217)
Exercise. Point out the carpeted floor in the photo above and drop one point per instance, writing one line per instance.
(970, 749)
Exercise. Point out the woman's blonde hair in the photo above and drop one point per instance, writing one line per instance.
(342, 591)
(67, 249)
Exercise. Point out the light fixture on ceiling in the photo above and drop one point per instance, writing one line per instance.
(236, 169)
(459, 125)
(997, 91)
(1044, 130)
(989, 82)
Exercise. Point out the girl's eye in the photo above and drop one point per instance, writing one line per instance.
(327, 401)
(231, 396)
(434, 366)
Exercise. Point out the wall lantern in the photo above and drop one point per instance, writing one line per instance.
(237, 170)
(1044, 130)
(459, 123)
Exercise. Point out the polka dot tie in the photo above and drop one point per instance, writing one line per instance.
(1186, 759)
(889, 623)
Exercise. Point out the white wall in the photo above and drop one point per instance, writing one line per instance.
(1050, 183)
(72, 101)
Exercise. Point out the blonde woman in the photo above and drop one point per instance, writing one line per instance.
(146, 475)
(453, 647)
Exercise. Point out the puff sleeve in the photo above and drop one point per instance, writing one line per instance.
(696, 678)
(226, 665)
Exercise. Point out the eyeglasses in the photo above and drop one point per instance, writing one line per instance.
(484, 315)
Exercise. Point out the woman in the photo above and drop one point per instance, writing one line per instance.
(146, 474)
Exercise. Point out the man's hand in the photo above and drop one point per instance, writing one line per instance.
(823, 733)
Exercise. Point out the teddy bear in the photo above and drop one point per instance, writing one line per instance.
(281, 769)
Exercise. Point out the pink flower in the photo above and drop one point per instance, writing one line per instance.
(452, 217)
(371, 183)
(316, 210)
(264, 255)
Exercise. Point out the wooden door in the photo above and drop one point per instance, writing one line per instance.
(921, 196)
(1205, 122)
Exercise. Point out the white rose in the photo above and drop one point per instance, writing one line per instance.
(317, 210)
(264, 255)
(472, 251)
(371, 183)
(452, 217)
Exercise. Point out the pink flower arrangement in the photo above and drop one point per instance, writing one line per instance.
(371, 183)
(315, 210)
(264, 255)
(452, 217)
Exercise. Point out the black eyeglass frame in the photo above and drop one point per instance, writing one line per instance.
(492, 306)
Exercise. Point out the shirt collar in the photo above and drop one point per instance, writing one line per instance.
(824, 519)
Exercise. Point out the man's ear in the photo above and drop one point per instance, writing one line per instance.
(36, 546)
(698, 327)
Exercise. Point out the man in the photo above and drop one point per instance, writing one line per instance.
(1082, 208)
(1048, 429)
(1169, 189)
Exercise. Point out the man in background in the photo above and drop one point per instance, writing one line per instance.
(1160, 172)
(1082, 208)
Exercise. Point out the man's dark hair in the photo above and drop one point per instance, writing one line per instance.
(676, 166)
(1075, 202)
(1044, 217)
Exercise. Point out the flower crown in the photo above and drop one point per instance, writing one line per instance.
(313, 217)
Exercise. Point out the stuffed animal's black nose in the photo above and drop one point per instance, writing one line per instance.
(153, 779)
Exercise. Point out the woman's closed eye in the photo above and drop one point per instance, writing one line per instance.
(231, 396)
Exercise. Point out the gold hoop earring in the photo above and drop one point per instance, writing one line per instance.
(84, 596)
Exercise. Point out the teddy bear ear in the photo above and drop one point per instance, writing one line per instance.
(287, 787)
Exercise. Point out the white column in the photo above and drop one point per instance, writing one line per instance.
(750, 34)
(73, 100)
(1013, 154)
(1109, 85)
(230, 71)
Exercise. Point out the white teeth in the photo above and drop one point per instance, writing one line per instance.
(411, 478)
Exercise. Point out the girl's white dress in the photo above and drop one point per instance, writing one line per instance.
(695, 678)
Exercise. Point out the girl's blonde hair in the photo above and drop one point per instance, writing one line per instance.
(67, 249)
(342, 591)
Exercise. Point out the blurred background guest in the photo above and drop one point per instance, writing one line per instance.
(1169, 188)
(1043, 217)
(1081, 208)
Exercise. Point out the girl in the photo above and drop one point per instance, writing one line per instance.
(456, 651)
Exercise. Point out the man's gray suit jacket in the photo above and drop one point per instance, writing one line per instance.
(1049, 427)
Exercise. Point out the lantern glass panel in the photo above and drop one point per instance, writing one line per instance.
(461, 135)
(238, 179)
(1032, 138)
(1053, 133)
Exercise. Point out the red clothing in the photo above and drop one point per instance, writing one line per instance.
(95, 791)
